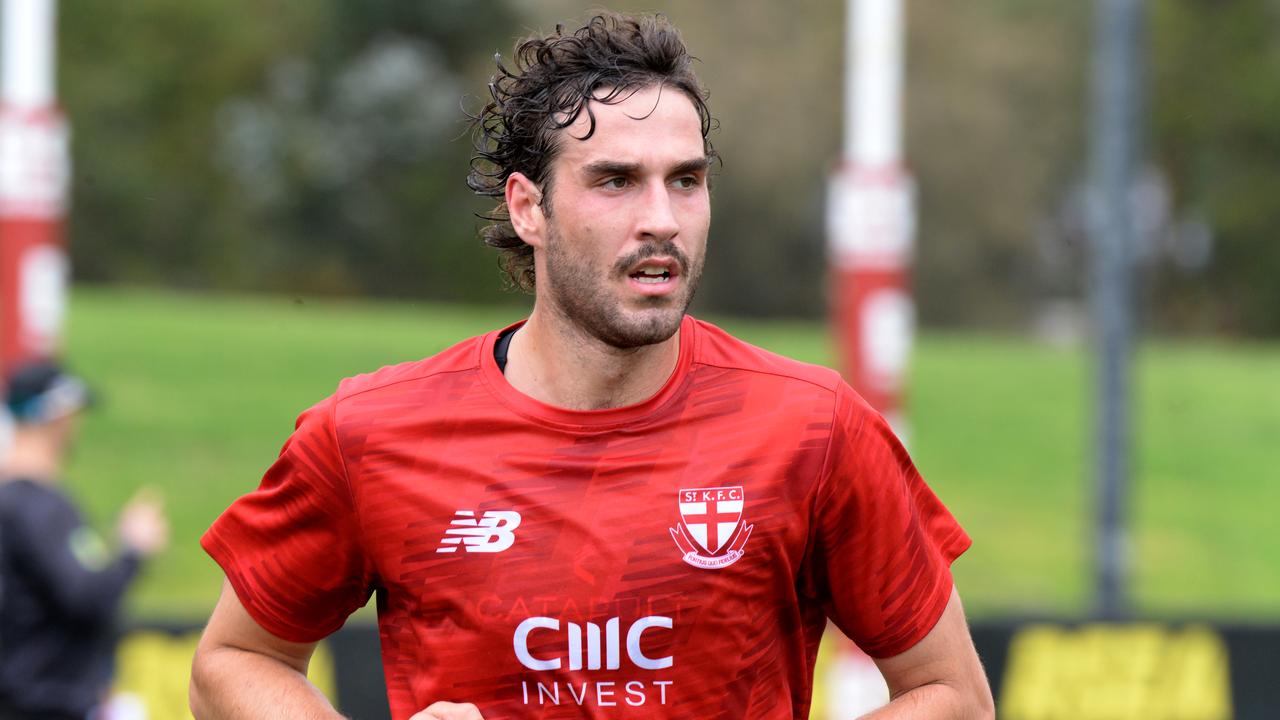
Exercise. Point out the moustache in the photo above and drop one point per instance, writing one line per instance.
(663, 249)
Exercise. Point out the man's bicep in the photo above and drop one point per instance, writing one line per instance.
(293, 547)
(232, 627)
(945, 656)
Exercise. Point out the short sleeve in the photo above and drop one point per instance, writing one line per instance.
(883, 543)
(291, 548)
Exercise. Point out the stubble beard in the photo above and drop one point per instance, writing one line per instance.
(581, 294)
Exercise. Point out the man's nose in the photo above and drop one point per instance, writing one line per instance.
(657, 217)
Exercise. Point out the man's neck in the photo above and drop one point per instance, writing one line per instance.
(33, 458)
(558, 364)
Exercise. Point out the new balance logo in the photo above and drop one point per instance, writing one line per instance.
(491, 533)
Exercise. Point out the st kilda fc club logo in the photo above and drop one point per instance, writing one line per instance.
(711, 533)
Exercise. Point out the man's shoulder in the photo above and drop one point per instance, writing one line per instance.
(717, 348)
(463, 357)
(31, 502)
(27, 489)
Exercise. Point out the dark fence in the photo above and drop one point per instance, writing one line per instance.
(1134, 670)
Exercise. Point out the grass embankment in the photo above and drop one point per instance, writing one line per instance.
(200, 392)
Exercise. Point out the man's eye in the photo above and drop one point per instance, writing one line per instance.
(617, 183)
(687, 182)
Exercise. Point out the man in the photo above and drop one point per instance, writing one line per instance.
(60, 587)
(610, 509)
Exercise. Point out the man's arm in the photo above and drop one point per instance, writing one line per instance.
(68, 561)
(242, 671)
(940, 677)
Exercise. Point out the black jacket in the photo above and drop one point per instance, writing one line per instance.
(59, 597)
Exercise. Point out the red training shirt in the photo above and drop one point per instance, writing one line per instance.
(677, 558)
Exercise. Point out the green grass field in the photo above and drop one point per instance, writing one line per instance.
(200, 392)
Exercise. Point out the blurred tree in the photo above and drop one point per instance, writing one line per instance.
(315, 147)
(320, 147)
(995, 122)
(142, 82)
(1216, 127)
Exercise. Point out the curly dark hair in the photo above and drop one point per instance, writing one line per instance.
(548, 88)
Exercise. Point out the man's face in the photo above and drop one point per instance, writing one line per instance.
(64, 430)
(628, 218)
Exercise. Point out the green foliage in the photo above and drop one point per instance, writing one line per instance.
(995, 115)
(320, 147)
(200, 393)
(142, 83)
(1216, 125)
(296, 146)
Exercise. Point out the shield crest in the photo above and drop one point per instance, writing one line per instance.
(711, 516)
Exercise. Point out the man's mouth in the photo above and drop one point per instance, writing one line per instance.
(657, 272)
(652, 275)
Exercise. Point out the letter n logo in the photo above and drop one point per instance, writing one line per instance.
(491, 533)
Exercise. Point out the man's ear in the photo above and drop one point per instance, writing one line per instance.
(524, 207)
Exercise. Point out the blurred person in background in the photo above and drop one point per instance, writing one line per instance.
(610, 463)
(60, 585)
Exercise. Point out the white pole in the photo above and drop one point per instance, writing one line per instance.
(28, 47)
(871, 221)
(870, 226)
(34, 174)
(873, 83)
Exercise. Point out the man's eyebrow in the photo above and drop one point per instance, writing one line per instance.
(610, 167)
(695, 165)
(600, 168)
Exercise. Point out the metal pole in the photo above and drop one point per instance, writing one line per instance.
(874, 54)
(870, 228)
(1116, 88)
(871, 214)
(27, 46)
(34, 173)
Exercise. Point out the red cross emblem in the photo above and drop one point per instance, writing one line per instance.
(711, 533)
